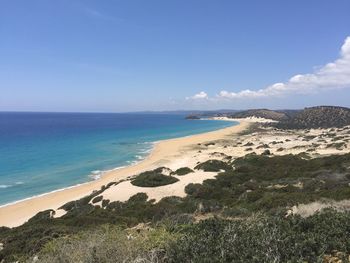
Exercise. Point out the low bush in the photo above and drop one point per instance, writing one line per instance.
(337, 145)
(105, 202)
(266, 152)
(153, 178)
(191, 189)
(263, 146)
(264, 239)
(183, 171)
(213, 166)
(258, 184)
(109, 244)
(97, 199)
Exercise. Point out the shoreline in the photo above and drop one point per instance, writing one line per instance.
(18, 212)
(101, 173)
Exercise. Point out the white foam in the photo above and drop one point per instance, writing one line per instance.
(40, 195)
(94, 175)
(4, 186)
(139, 157)
(147, 143)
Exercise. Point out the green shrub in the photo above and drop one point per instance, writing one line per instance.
(263, 146)
(183, 171)
(258, 184)
(153, 178)
(213, 166)
(105, 202)
(264, 239)
(109, 244)
(191, 189)
(97, 199)
(337, 145)
(85, 200)
(266, 152)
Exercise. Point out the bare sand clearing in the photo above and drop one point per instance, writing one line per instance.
(173, 153)
(124, 190)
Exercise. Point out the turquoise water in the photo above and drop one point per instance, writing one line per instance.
(43, 152)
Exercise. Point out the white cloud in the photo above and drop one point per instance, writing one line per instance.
(199, 96)
(334, 75)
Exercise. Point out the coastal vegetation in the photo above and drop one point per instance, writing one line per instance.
(317, 117)
(252, 199)
(261, 113)
(153, 178)
(183, 171)
(213, 166)
(258, 238)
(308, 118)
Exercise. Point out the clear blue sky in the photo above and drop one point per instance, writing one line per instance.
(111, 55)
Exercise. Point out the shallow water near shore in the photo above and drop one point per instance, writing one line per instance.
(43, 152)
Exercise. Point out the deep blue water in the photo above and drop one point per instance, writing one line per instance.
(42, 152)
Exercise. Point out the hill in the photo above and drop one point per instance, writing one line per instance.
(261, 113)
(318, 117)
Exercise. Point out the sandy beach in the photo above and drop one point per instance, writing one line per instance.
(173, 152)
(188, 152)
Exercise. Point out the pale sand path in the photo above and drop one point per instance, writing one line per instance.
(18, 213)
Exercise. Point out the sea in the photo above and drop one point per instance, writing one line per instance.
(44, 152)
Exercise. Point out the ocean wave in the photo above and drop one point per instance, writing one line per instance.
(139, 157)
(132, 162)
(96, 174)
(146, 150)
(117, 168)
(4, 186)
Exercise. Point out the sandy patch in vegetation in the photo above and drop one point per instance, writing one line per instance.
(124, 190)
(306, 210)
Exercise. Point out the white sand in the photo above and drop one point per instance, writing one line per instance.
(187, 152)
(124, 190)
(163, 154)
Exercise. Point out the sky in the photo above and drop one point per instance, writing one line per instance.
(136, 55)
